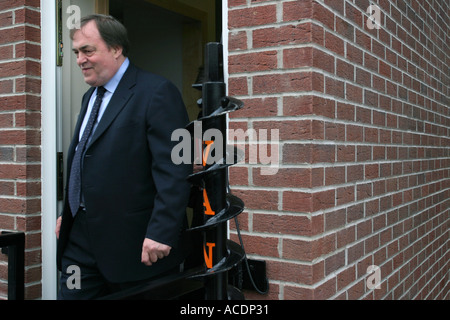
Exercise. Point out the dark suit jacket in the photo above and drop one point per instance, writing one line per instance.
(131, 187)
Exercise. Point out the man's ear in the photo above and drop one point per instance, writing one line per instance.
(117, 51)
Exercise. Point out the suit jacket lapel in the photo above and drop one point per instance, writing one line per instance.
(76, 134)
(83, 110)
(118, 101)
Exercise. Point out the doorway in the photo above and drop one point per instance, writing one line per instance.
(167, 37)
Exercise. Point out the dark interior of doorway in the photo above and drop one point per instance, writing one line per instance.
(170, 40)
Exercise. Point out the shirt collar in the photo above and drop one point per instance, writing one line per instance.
(112, 84)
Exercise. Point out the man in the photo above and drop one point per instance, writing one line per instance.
(125, 200)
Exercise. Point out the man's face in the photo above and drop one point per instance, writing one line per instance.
(98, 63)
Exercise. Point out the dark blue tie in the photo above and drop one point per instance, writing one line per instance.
(75, 172)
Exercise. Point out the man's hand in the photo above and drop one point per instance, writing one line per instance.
(58, 227)
(152, 251)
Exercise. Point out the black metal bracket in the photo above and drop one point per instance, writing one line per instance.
(252, 279)
(13, 244)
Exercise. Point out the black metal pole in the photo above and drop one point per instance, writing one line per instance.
(215, 184)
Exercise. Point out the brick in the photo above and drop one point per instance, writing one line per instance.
(297, 249)
(286, 224)
(28, 154)
(345, 70)
(323, 61)
(258, 199)
(6, 86)
(17, 68)
(346, 153)
(354, 133)
(20, 206)
(332, 264)
(252, 62)
(345, 29)
(354, 14)
(20, 102)
(323, 200)
(238, 86)
(21, 33)
(298, 105)
(354, 54)
(29, 223)
(6, 19)
(297, 201)
(257, 107)
(285, 82)
(299, 178)
(334, 43)
(11, 137)
(297, 10)
(237, 40)
(325, 290)
(6, 154)
(345, 111)
(289, 130)
(17, 171)
(334, 131)
(298, 293)
(18, 3)
(7, 223)
(236, 3)
(323, 15)
(323, 153)
(334, 175)
(6, 52)
(28, 85)
(26, 15)
(324, 107)
(335, 87)
(297, 57)
(291, 272)
(284, 35)
(353, 93)
(253, 16)
(266, 246)
(238, 176)
(27, 50)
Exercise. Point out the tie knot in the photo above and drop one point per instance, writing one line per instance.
(101, 91)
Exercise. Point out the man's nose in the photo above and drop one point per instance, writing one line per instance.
(81, 59)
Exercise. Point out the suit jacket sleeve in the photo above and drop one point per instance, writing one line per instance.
(165, 114)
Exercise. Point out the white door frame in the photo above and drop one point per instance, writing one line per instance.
(49, 147)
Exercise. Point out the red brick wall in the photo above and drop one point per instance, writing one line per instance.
(20, 132)
(364, 124)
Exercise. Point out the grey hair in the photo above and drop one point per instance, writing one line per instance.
(112, 31)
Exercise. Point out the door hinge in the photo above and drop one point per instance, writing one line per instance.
(60, 176)
(59, 32)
